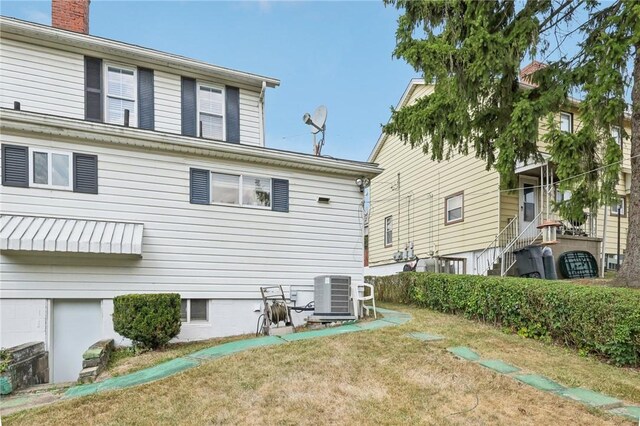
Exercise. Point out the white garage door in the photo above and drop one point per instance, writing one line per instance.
(76, 326)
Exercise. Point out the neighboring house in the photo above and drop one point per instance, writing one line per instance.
(183, 198)
(453, 211)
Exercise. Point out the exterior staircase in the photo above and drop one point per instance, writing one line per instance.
(499, 257)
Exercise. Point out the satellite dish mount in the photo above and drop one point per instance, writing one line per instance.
(318, 125)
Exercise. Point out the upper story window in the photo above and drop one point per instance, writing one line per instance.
(51, 169)
(225, 189)
(120, 94)
(453, 206)
(566, 122)
(616, 134)
(388, 231)
(211, 112)
(621, 205)
(256, 191)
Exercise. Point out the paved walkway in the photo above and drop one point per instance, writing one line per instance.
(27, 400)
(584, 396)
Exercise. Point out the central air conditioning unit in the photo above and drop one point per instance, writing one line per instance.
(332, 294)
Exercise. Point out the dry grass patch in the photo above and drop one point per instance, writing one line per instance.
(370, 377)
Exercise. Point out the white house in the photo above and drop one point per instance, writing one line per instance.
(129, 170)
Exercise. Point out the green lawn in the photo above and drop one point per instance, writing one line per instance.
(370, 377)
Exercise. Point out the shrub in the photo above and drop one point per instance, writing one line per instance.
(601, 320)
(149, 320)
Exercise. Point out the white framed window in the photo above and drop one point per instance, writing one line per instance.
(50, 169)
(121, 94)
(563, 195)
(256, 191)
(211, 112)
(566, 122)
(616, 134)
(241, 190)
(388, 231)
(194, 310)
(225, 189)
(613, 209)
(454, 208)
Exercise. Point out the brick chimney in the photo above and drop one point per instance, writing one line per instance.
(526, 72)
(72, 15)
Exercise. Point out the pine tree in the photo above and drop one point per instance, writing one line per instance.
(472, 52)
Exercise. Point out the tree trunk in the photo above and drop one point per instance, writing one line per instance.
(629, 273)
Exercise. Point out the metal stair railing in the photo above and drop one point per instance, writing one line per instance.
(521, 241)
(487, 259)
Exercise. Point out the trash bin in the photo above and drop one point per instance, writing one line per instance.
(549, 264)
(529, 262)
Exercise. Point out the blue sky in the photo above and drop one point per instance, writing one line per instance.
(326, 52)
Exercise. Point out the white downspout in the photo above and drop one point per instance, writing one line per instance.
(261, 107)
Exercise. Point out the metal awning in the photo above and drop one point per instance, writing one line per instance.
(33, 233)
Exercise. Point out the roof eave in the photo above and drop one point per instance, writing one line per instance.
(98, 44)
(21, 122)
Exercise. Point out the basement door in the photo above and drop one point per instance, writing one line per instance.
(529, 208)
(76, 326)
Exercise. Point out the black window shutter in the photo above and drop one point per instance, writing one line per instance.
(145, 99)
(15, 165)
(85, 173)
(92, 89)
(199, 185)
(189, 107)
(280, 194)
(232, 114)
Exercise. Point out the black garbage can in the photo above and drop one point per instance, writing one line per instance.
(529, 262)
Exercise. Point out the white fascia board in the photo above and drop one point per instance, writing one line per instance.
(22, 122)
(415, 82)
(84, 42)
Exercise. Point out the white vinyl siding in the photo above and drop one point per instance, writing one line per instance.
(167, 102)
(43, 80)
(200, 251)
(51, 81)
(250, 118)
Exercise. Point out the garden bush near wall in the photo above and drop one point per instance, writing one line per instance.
(599, 320)
(149, 320)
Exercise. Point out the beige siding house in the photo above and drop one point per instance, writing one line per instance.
(454, 212)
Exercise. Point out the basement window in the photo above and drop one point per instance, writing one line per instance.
(194, 310)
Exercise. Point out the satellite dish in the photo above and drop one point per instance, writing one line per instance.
(317, 123)
(319, 118)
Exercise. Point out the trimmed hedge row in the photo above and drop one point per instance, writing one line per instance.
(601, 320)
(149, 320)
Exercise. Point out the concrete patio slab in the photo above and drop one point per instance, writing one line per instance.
(591, 398)
(425, 337)
(464, 353)
(540, 382)
(499, 366)
(630, 412)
